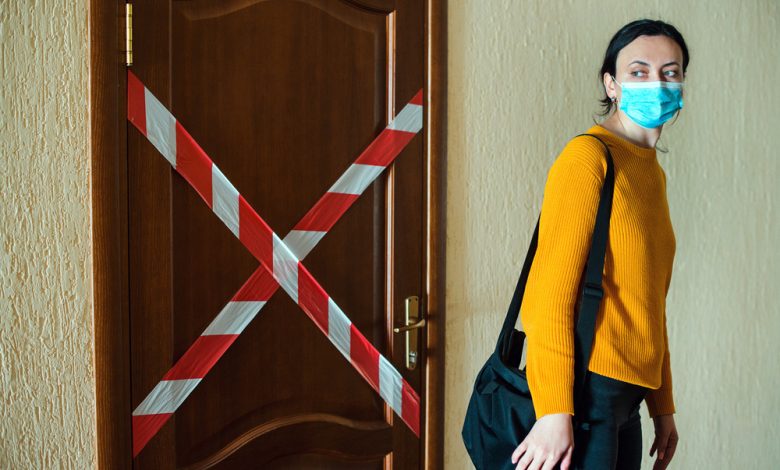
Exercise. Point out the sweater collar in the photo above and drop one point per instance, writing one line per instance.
(643, 152)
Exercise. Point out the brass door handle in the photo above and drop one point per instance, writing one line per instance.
(413, 326)
(413, 322)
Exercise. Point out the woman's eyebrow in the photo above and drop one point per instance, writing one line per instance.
(641, 62)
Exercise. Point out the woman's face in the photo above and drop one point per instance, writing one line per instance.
(646, 59)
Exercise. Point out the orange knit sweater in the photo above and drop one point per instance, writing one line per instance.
(630, 342)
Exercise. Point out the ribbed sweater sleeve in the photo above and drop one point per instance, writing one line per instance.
(569, 204)
(660, 401)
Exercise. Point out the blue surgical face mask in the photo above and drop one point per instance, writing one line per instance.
(650, 104)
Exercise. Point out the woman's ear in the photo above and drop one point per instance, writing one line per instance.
(609, 86)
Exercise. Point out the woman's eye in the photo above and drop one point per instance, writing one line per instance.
(671, 73)
(638, 73)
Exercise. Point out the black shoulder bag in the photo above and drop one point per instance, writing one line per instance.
(500, 412)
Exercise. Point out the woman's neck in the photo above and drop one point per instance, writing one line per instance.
(620, 124)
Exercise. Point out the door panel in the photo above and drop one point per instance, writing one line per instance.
(283, 96)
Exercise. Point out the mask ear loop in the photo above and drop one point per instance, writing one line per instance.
(677, 114)
(673, 121)
(613, 99)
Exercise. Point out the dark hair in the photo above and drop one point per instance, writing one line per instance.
(627, 34)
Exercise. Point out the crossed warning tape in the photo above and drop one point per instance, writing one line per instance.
(280, 261)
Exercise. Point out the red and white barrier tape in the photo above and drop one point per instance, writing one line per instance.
(280, 261)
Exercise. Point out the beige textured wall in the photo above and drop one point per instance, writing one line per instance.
(522, 81)
(47, 399)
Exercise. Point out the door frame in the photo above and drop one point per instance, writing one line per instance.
(109, 231)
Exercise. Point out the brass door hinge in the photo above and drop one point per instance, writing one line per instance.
(129, 34)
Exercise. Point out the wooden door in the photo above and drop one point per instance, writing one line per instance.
(283, 96)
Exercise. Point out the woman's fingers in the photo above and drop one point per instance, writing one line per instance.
(662, 440)
(549, 463)
(566, 462)
(553, 459)
(660, 464)
(538, 461)
(533, 459)
(546, 443)
(525, 460)
(666, 446)
(666, 455)
(671, 446)
(519, 451)
(662, 448)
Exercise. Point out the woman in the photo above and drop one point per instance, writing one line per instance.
(642, 73)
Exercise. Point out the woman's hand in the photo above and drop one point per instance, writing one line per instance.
(665, 440)
(551, 438)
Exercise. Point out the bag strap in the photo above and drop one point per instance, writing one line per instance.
(592, 291)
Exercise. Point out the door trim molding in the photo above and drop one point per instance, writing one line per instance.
(108, 81)
(108, 132)
(435, 250)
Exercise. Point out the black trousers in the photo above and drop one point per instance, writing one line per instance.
(610, 435)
